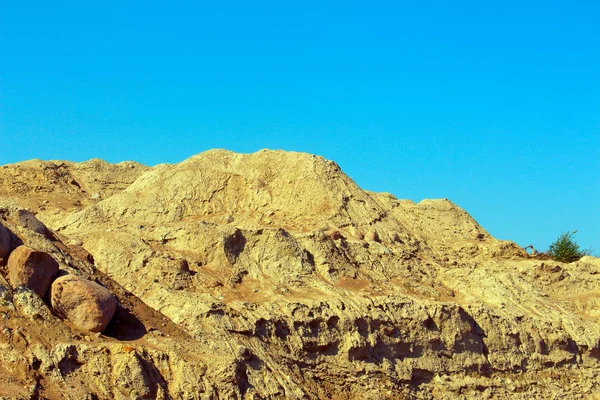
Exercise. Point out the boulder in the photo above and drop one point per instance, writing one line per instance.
(29, 221)
(373, 236)
(85, 303)
(4, 242)
(335, 235)
(31, 268)
(78, 252)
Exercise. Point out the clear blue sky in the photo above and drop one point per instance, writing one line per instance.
(494, 105)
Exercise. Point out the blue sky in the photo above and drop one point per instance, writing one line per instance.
(494, 106)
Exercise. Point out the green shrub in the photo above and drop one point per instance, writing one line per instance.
(565, 249)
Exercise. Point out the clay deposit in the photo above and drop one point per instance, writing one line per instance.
(273, 275)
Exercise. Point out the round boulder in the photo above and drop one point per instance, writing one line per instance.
(86, 304)
(4, 242)
(31, 268)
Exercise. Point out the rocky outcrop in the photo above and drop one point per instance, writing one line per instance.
(273, 275)
(31, 268)
(4, 242)
(54, 188)
(29, 221)
(42, 357)
(86, 304)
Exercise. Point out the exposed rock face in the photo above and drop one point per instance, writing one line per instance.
(281, 278)
(86, 304)
(31, 268)
(4, 242)
(29, 221)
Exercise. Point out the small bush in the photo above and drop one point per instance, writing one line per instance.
(565, 249)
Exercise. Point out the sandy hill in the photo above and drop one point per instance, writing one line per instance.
(273, 275)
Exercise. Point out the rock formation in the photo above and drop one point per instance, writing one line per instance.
(273, 275)
(4, 242)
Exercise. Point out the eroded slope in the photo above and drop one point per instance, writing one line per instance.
(308, 286)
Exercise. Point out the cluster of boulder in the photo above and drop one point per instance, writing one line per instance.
(85, 303)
